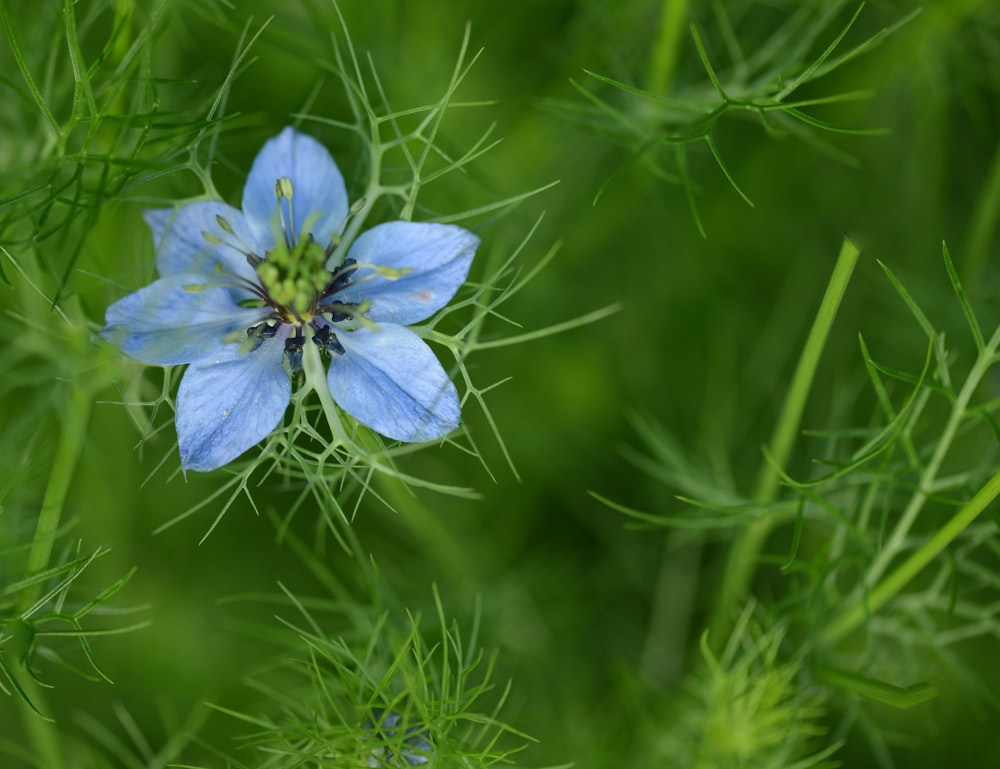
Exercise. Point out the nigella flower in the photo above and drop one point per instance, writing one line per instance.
(243, 294)
(415, 748)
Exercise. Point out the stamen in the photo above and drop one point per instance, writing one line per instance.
(356, 208)
(248, 285)
(224, 224)
(391, 273)
(340, 279)
(325, 339)
(241, 246)
(377, 270)
(292, 359)
(260, 332)
(342, 311)
(231, 281)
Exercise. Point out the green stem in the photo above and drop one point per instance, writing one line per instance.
(122, 29)
(430, 531)
(40, 730)
(898, 579)
(897, 540)
(983, 225)
(787, 428)
(312, 366)
(666, 50)
(22, 64)
(742, 560)
(68, 450)
(74, 429)
(423, 522)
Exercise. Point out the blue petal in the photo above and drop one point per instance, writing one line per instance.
(181, 246)
(228, 404)
(390, 380)
(172, 321)
(319, 194)
(435, 259)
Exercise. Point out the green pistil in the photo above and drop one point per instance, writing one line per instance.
(293, 273)
(294, 277)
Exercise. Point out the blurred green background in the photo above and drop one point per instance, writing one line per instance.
(595, 621)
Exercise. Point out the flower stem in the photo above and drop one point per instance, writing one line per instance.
(74, 428)
(666, 50)
(984, 224)
(43, 738)
(436, 537)
(912, 566)
(430, 532)
(742, 560)
(68, 450)
(316, 380)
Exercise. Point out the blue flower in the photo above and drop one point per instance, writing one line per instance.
(242, 292)
(415, 748)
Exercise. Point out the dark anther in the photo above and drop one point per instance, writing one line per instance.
(340, 278)
(292, 360)
(340, 311)
(253, 260)
(260, 332)
(325, 339)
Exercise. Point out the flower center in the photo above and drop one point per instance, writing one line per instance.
(294, 277)
(293, 280)
(293, 274)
